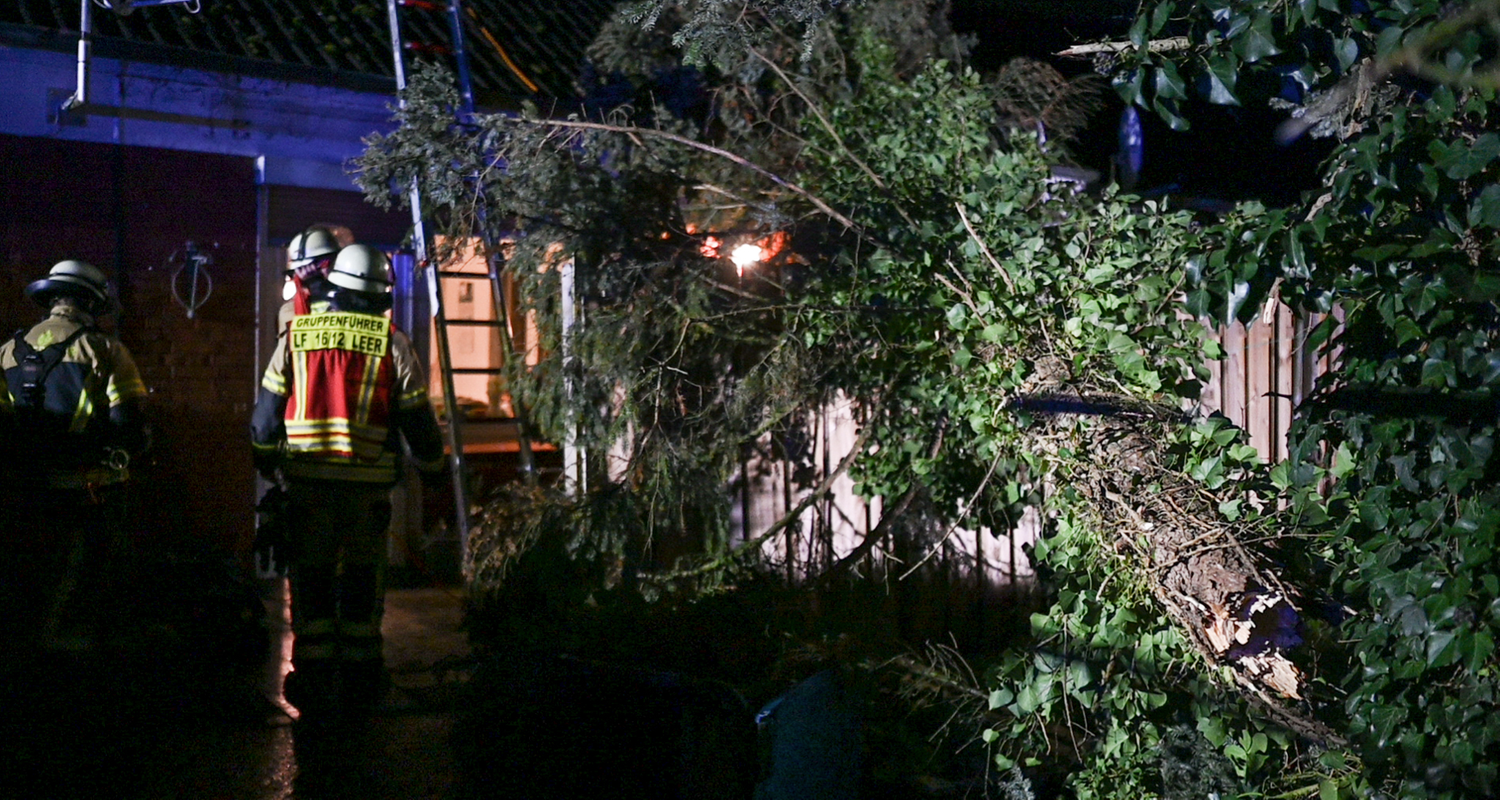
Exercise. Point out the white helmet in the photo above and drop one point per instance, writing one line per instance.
(310, 245)
(71, 278)
(361, 268)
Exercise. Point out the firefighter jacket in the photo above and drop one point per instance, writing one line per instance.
(340, 390)
(94, 395)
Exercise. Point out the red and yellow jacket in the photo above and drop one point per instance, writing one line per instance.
(339, 389)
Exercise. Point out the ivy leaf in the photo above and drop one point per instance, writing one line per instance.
(1138, 31)
(1222, 73)
(1168, 83)
(1440, 650)
(1167, 110)
(1346, 50)
(1198, 302)
(1492, 369)
(1258, 41)
(1309, 9)
(1388, 40)
(1486, 209)
(1160, 15)
(1461, 161)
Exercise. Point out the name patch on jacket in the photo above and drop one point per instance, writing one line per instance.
(358, 333)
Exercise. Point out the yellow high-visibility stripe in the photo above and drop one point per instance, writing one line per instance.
(83, 412)
(337, 425)
(274, 383)
(367, 389)
(118, 390)
(412, 399)
(299, 380)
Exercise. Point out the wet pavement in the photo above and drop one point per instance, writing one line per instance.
(173, 718)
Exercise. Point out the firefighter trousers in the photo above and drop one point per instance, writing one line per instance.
(338, 540)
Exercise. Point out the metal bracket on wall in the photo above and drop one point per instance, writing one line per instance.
(78, 102)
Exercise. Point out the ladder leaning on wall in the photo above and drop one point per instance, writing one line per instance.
(425, 266)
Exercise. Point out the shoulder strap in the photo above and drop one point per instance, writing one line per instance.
(36, 365)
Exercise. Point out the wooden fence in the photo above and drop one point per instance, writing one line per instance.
(1266, 370)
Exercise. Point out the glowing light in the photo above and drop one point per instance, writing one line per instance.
(745, 255)
(710, 247)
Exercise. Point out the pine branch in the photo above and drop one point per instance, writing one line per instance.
(636, 132)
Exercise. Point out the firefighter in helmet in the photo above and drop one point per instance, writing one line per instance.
(72, 398)
(342, 389)
(310, 255)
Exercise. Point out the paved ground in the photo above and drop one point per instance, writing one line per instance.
(145, 726)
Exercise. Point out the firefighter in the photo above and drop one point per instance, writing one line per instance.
(72, 401)
(342, 389)
(310, 254)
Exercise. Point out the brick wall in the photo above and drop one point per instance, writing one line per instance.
(128, 210)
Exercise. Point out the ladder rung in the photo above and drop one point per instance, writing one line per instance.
(425, 5)
(489, 323)
(423, 47)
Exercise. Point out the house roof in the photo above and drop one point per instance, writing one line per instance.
(516, 48)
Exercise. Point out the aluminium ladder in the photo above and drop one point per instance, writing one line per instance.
(400, 45)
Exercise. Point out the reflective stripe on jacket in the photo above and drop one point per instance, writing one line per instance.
(343, 379)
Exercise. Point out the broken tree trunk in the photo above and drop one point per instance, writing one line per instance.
(1224, 595)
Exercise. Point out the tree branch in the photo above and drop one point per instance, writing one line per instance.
(1154, 46)
(887, 518)
(630, 130)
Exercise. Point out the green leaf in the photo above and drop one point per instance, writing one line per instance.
(1137, 33)
(1168, 83)
(1222, 73)
(1440, 651)
(958, 317)
(1160, 15)
(1486, 209)
(1346, 50)
(1463, 160)
(1128, 85)
(1027, 700)
(1388, 40)
(1258, 41)
(1167, 110)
